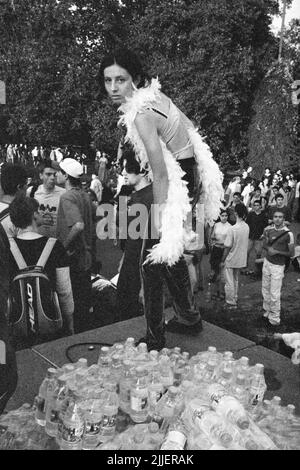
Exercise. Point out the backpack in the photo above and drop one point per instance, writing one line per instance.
(31, 315)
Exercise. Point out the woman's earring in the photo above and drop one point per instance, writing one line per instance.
(134, 87)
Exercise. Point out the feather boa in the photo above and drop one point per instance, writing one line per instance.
(210, 176)
(174, 232)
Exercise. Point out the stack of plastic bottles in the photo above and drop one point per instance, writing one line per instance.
(132, 400)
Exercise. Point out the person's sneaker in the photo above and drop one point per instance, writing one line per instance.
(152, 345)
(274, 322)
(174, 326)
(230, 306)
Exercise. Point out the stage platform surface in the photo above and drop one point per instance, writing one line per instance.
(282, 377)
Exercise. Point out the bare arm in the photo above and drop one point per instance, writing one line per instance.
(75, 230)
(147, 129)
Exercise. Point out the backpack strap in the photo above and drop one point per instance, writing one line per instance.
(4, 213)
(15, 251)
(46, 252)
(279, 236)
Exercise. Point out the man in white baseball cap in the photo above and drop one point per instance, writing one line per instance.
(74, 230)
(71, 167)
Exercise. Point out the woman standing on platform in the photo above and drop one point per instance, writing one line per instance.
(169, 147)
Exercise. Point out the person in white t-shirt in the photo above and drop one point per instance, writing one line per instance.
(48, 195)
(235, 255)
(217, 239)
(97, 187)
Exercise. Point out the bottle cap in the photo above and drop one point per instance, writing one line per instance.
(212, 349)
(228, 354)
(82, 361)
(243, 422)
(130, 339)
(153, 427)
(226, 438)
(52, 372)
(244, 360)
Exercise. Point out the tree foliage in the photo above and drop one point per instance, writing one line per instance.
(210, 57)
(272, 133)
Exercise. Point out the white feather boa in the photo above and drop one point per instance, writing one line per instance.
(174, 232)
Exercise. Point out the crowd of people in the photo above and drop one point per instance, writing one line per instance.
(163, 164)
(253, 237)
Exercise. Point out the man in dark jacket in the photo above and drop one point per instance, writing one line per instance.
(8, 366)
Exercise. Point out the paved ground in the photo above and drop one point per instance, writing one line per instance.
(247, 320)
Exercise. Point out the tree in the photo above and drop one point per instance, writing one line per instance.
(47, 58)
(210, 57)
(272, 133)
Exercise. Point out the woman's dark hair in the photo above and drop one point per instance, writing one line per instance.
(21, 211)
(224, 211)
(241, 210)
(129, 61)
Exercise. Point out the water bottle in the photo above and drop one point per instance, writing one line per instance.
(154, 437)
(72, 426)
(41, 399)
(208, 375)
(104, 360)
(258, 385)
(125, 384)
(142, 356)
(109, 414)
(176, 437)
(82, 364)
(200, 416)
(198, 440)
(228, 406)
(134, 441)
(93, 414)
(129, 348)
(185, 356)
(139, 396)
(226, 377)
(155, 391)
(227, 359)
(116, 369)
(166, 372)
(179, 371)
(239, 390)
(168, 407)
(165, 352)
(59, 396)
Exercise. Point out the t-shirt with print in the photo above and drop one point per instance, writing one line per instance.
(10, 229)
(76, 206)
(237, 241)
(270, 234)
(48, 204)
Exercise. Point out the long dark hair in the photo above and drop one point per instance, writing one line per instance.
(129, 61)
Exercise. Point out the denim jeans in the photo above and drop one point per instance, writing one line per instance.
(178, 282)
